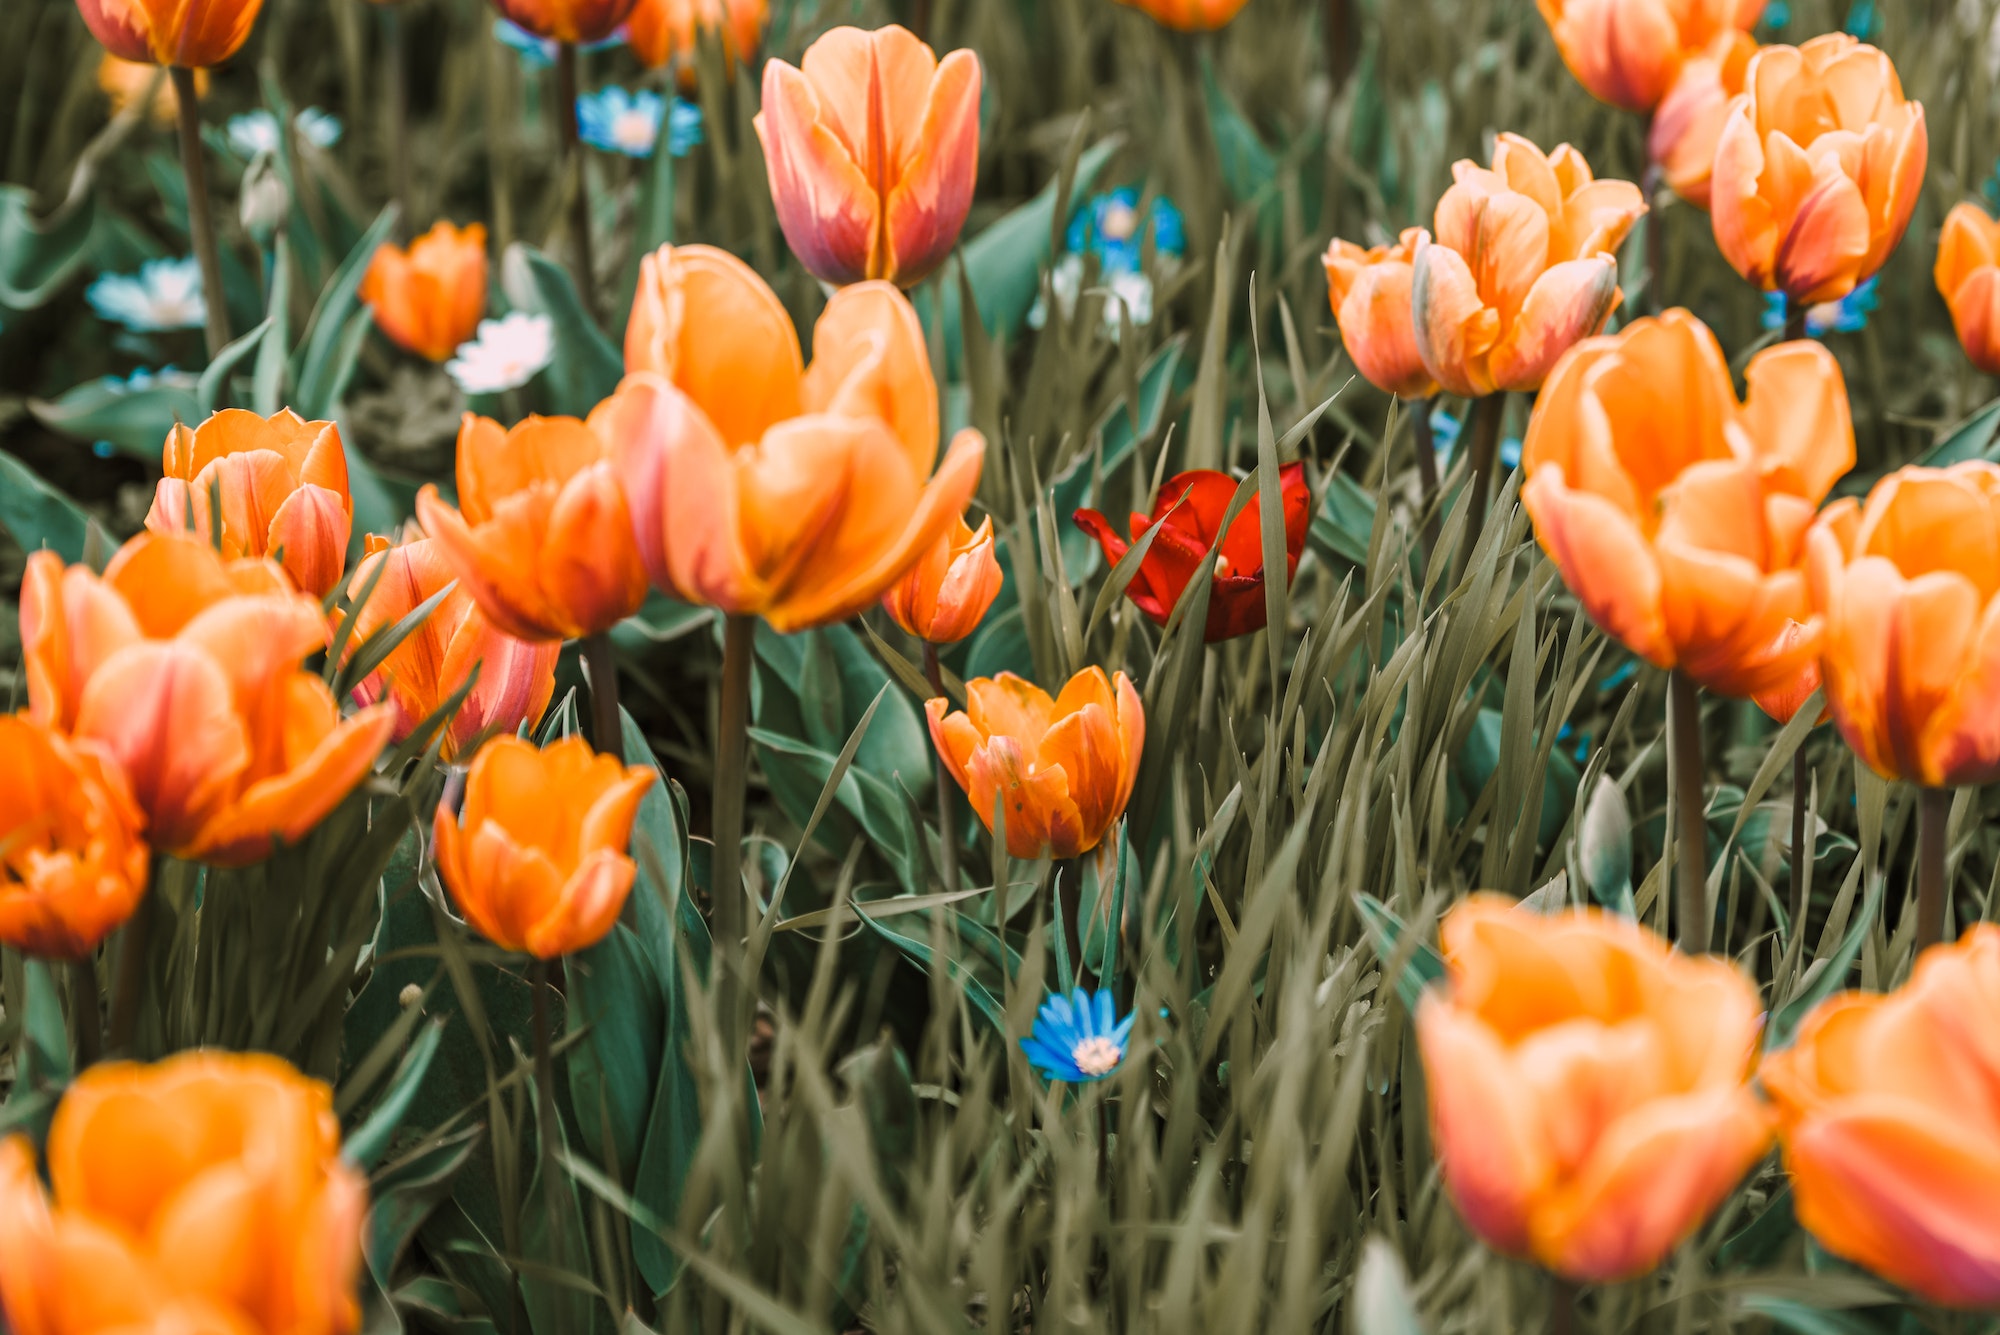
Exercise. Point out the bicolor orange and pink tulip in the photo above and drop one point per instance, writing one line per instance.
(1630, 52)
(577, 22)
(192, 34)
(1967, 273)
(1688, 123)
(1369, 289)
(72, 863)
(427, 299)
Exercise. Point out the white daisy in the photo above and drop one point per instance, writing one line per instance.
(506, 354)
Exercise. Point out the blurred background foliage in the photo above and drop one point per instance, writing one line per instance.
(1420, 728)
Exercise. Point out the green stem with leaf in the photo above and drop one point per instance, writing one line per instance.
(201, 216)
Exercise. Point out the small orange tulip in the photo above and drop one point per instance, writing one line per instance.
(1885, 1107)
(1817, 169)
(72, 866)
(1968, 277)
(1907, 587)
(665, 31)
(516, 677)
(1064, 768)
(1678, 515)
(946, 592)
(578, 22)
(1370, 293)
(536, 857)
(202, 1195)
(1189, 15)
(544, 541)
(193, 34)
(1688, 122)
(283, 483)
(1523, 266)
(758, 486)
(429, 298)
(1629, 52)
(872, 145)
(185, 669)
(1589, 1087)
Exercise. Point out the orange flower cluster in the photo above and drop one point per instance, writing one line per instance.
(428, 299)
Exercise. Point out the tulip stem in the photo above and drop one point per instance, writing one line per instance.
(606, 728)
(1427, 473)
(201, 218)
(135, 943)
(1684, 740)
(581, 268)
(1487, 415)
(947, 817)
(1795, 320)
(396, 97)
(1656, 241)
(550, 1133)
(920, 19)
(1562, 1306)
(88, 1009)
(1802, 854)
(1933, 813)
(732, 758)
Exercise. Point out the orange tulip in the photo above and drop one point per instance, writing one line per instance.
(1968, 277)
(1629, 52)
(947, 591)
(1064, 768)
(1817, 169)
(1890, 1131)
(761, 487)
(544, 542)
(428, 299)
(283, 484)
(1589, 1087)
(1678, 515)
(578, 22)
(1783, 701)
(536, 858)
(872, 145)
(1370, 293)
(1189, 15)
(664, 31)
(72, 866)
(190, 33)
(516, 677)
(1907, 587)
(202, 1195)
(1688, 122)
(185, 668)
(1523, 266)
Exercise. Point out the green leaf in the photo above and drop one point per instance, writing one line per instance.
(215, 380)
(1345, 521)
(614, 997)
(587, 365)
(1831, 978)
(369, 1140)
(47, 1051)
(878, 1077)
(1604, 847)
(37, 515)
(135, 421)
(881, 812)
(1391, 937)
(39, 255)
(1249, 168)
(317, 367)
(1974, 438)
(980, 980)
(403, 1196)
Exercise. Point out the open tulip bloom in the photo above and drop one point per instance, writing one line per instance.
(192, 34)
(428, 299)
(576, 22)
(1370, 293)
(72, 864)
(1630, 53)
(1968, 278)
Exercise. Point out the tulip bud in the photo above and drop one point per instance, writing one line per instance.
(73, 866)
(872, 144)
(946, 592)
(1968, 278)
(192, 34)
(429, 298)
(1629, 52)
(1370, 293)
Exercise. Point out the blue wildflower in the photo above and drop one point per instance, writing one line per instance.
(1777, 15)
(1844, 316)
(683, 127)
(1110, 229)
(256, 131)
(1864, 20)
(1077, 1038)
(538, 53)
(615, 120)
(164, 294)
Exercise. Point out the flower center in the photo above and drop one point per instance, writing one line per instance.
(1096, 1055)
(633, 129)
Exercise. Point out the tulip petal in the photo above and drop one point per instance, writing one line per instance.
(592, 583)
(587, 907)
(869, 360)
(308, 535)
(1795, 413)
(1820, 254)
(926, 209)
(1489, 1146)
(497, 563)
(288, 805)
(827, 206)
(712, 326)
(1568, 301)
(1605, 561)
(1454, 326)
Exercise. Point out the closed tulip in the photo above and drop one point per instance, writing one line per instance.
(283, 485)
(1906, 585)
(1629, 52)
(1370, 294)
(578, 22)
(1189, 514)
(872, 144)
(1968, 278)
(204, 1194)
(1060, 771)
(763, 487)
(543, 538)
(1688, 123)
(1589, 1086)
(536, 859)
(1189, 15)
(1818, 168)
(667, 31)
(72, 864)
(1890, 1132)
(516, 677)
(949, 589)
(193, 34)
(1677, 514)
(185, 669)
(1524, 265)
(428, 299)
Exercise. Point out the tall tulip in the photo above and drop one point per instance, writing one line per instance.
(516, 677)
(1189, 15)
(536, 859)
(872, 145)
(428, 298)
(205, 1193)
(663, 32)
(1629, 52)
(72, 864)
(1968, 278)
(1061, 769)
(543, 541)
(283, 485)
(763, 488)
(1678, 515)
(1890, 1132)
(1688, 123)
(949, 588)
(1369, 290)
(1818, 168)
(185, 669)
(1589, 1087)
(572, 22)
(190, 34)
(1523, 265)
(1189, 514)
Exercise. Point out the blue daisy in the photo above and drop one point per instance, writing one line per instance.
(164, 294)
(256, 131)
(1844, 316)
(538, 53)
(1078, 1038)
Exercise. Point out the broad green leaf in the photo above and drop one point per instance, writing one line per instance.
(39, 255)
(135, 421)
(37, 515)
(587, 365)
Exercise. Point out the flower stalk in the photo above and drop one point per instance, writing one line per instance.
(396, 108)
(1933, 814)
(947, 816)
(732, 758)
(201, 216)
(607, 729)
(87, 1008)
(1691, 857)
(1427, 473)
(581, 266)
